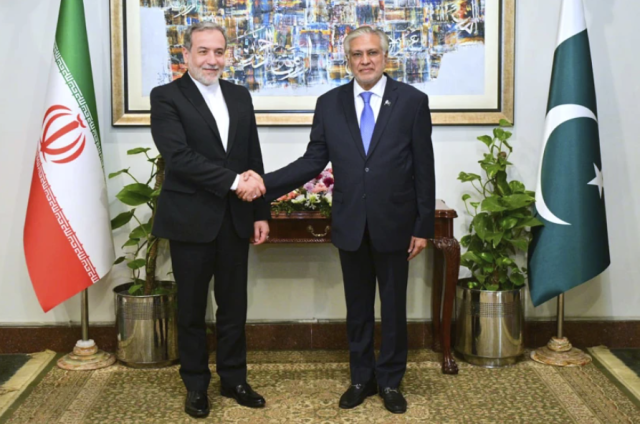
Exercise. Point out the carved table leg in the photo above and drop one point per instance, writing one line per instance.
(451, 250)
(436, 298)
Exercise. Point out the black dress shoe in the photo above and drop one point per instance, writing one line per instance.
(244, 395)
(197, 404)
(357, 393)
(393, 400)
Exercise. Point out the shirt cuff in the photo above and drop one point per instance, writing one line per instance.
(234, 186)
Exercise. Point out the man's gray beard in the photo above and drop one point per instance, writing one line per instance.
(198, 75)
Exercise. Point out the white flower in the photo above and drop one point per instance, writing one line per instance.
(313, 198)
(299, 199)
(329, 199)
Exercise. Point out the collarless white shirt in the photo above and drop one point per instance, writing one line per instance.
(376, 98)
(218, 106)
(215, 100)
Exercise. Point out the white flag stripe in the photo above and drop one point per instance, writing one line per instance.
(79, 184)
(572, 20)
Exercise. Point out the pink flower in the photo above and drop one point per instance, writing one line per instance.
(319, 188)
(309, 186)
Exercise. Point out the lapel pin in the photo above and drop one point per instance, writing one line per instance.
(387, 103)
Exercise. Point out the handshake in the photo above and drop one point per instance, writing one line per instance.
(250, 187)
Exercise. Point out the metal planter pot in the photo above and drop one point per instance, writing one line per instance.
(489, 326)
(147, 327)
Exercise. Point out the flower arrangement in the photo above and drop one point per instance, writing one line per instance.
(316, 195)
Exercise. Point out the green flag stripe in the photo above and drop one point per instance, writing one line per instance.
(73, 47)
(571, 80)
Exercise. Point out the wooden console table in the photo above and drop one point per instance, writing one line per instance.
(313, 227)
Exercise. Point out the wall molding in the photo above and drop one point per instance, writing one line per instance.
(318, 335)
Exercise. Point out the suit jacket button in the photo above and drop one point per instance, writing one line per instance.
(366, 169)
(364, 196)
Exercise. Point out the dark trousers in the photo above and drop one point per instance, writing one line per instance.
(360, 269)
(224, 258)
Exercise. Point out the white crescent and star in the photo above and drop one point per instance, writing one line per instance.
(556, 117)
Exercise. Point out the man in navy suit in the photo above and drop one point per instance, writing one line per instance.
(376, 132)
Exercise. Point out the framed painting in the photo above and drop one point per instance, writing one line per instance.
(289, 52)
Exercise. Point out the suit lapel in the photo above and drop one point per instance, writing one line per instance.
(233, 114)
(349, 109)
(386, 107)
(192, 93)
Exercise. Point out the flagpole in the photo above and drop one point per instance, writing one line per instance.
(85, 355)
(560, 314)
(559, 351)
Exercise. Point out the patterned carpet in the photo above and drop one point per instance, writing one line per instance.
(304, 387)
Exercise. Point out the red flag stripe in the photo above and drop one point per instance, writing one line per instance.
(59, 268)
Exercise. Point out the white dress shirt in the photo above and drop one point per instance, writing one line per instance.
(376, 98)
(215, 100)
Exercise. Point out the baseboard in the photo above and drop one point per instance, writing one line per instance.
(322, 335)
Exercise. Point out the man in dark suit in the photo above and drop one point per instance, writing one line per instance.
(377, 134)
(205, 129)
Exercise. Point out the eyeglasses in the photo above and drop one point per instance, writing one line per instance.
(358, 56)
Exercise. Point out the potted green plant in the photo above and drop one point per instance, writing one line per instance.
(489, 304)
(145, 306)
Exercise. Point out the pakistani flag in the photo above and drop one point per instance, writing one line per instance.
(67, 235)
(573, 246)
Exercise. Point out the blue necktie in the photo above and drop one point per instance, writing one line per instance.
(367, 122)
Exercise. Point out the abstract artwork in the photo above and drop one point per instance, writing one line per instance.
(289, 52)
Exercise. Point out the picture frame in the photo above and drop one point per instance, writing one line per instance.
(449, 44)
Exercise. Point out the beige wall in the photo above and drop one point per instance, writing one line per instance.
(299, 283)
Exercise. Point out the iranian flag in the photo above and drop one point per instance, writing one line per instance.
(572, 247)
(67, 235)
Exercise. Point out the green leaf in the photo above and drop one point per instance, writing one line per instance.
(464, 177)
(499, 133)
(131, 242)
(520, 243)
(517, 278)
(497, 238)
(115, 174)
(481, 224)
(464, 241)
(470, 256)
(133, 290)
(492, 287)
(493, 169)
(155, 193)
(138, 150)
(492, 204)
(486, 140)
(504, 261)
(516, 187)
(508, 222)
(517, 201)
(474, 204)
(505, 123)
(503, 186)
(119, 260)
(465, 197)
(137, 263)
(530, 222)
(508, 145)
(141, 231)
(122, 219)
(487, 257)
(135, 194)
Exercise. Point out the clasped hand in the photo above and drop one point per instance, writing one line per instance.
(250, 187)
